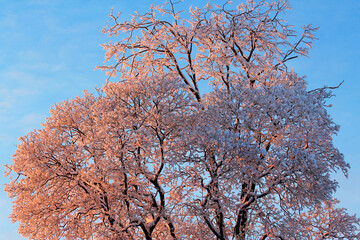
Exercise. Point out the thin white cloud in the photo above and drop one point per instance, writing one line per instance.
(31, 121)
(9, 97)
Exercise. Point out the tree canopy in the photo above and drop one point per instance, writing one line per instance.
(204, 134)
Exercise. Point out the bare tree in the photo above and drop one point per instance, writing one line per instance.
(159, 155)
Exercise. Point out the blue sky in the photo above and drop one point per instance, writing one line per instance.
(49, 49)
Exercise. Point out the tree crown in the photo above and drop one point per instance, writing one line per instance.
(158, 155)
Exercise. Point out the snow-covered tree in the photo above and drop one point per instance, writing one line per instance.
(206, 135)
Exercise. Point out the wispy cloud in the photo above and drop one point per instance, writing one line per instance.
(31, 121)
(10, 97)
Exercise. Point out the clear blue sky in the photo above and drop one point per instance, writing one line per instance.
(49, 49)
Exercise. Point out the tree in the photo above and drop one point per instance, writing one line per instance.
(158, 155)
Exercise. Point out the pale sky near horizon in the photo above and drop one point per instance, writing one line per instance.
(49, 49)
